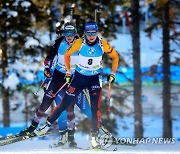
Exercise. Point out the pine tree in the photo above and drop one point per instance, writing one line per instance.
(138, 125)
(167, 121)
(166, 13)
(18, 24)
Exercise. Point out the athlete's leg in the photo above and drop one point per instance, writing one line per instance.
(56, 82)
(71, 125)
(83, 101)
(62, 120)
(71, 93)
(66, 123)
(95, 92)
(84, 104)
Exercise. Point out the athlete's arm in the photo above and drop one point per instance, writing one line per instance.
(72, 49)
(112, 53)
(52, 52)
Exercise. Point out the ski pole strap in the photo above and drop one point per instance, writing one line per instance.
(109, 96)
(54, 95)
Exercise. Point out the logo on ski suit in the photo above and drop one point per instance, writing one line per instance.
(71, 89)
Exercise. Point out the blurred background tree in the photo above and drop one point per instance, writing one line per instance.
(166, 16)
(18, 24)
(137, 84)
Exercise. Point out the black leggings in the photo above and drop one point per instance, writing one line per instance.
(56, 82)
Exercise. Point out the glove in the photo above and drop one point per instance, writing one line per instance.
(45, 87)
(47, 72)
(111, 78)
(42, 130)
(68, 77)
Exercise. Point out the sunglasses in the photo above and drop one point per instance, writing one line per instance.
(91, 33)
(69, 34)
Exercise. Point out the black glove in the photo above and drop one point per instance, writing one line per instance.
(111, 78)
(45, 87)
(68, 78)
(47, 72)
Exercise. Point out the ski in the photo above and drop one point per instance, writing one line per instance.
(65, 146)
(14, 140)
(97, 149)
(9, 137)
(22, 138)
(56, 145)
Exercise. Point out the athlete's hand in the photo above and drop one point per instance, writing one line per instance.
(47, 72)
(111, 78)
(45, 87)
(68, 77)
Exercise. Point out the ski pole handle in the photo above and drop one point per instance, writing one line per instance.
(54, 95)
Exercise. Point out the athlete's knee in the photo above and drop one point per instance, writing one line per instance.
(71, 91)
(94, 106)
(49, 93)
(70, 108)
(39, 114)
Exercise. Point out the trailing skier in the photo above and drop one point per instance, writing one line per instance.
(57, 81)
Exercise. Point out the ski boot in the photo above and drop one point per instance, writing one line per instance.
(63, 138)
(95, 141)
(71, 140)
(43, 129)
(29, 130)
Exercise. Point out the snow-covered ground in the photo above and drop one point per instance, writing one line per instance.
(152, 131)
(42, 147)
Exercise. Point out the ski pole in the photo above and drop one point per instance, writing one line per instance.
(72, 11)
(87, 96)
(97, 10)
(40, 87)
(109, 97)
(54, 95)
